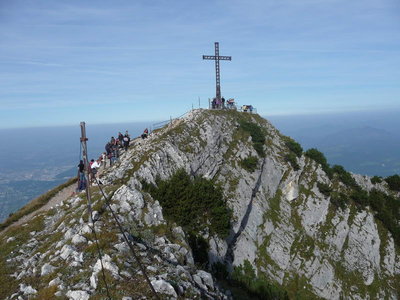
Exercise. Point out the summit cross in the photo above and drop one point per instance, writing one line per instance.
(217, 58)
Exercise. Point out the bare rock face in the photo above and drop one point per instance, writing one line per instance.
(283, 225)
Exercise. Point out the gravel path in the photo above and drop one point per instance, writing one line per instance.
(60, 196)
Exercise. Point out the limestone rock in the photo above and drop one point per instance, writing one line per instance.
(27, 289)
(163, 287)
(78, 295)
(47, 269)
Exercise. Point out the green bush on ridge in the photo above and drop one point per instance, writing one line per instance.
(340, 200)
(376, 179)
(192, 203)
(293, 146)
(393, 182)
(324, 188)
(295, 151)
(292, 160)
(344, 176)
(387, 210)
(319, 158)
(387, 207)
(256, 134)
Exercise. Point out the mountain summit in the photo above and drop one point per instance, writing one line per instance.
(217, 204)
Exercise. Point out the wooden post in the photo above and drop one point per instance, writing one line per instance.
(87, 170)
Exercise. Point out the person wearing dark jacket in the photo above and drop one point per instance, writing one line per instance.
(120, 139)
(127, 139)
(81, 176)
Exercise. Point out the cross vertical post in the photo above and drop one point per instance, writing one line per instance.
(217, 58)
(217, 73)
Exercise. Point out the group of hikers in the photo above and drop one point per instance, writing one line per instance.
(111, 155)
(113, 146)
(218, 103)
(229, 104)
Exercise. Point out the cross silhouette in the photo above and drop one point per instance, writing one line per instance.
(217, 58)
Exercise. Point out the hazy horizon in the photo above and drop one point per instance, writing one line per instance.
(67, 61)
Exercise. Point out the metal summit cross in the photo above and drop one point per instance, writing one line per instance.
(217, 58)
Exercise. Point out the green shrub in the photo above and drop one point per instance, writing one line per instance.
(250, 163)
(199, 248)
(388, 211)
(256, 134)
(292, 159)
(244, 275)
(293, 146)
(319, 158)
(360, 196)
(376, 179)
(340, 200)
(344, 176)
(393, 182)
(324, 188)
(220, 271)
(193, 204)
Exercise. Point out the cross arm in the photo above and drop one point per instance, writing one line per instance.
(213, 57)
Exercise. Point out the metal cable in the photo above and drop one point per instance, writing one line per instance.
(127, 241)
(83, 148)
(99, 253)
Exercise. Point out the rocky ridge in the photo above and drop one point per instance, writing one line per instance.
(282, 225)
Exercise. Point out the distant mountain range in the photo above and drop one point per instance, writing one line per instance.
(363, 144)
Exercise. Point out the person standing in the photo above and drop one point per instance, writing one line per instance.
(127, 139)
(94, 165)
(81, 176)
(145, 134)
(104, 159)
(114, 154)
(120, 139)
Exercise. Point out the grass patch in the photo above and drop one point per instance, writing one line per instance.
(249, 163)
(256, 134)
(46, 293)
(8, 284)
(274, 208)
(259, 288)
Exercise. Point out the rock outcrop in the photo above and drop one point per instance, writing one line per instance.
(283, 225)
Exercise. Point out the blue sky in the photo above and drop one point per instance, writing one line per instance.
(62, 62)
